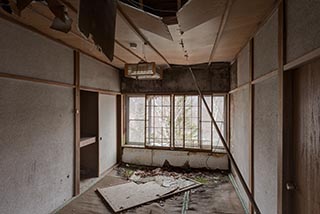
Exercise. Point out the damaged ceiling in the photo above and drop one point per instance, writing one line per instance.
(166, 32)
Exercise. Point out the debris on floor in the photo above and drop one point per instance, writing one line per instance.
(145, 186)
(170, 190)
(215, 195)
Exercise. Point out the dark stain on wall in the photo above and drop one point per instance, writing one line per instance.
(215, 78)
(233, 76)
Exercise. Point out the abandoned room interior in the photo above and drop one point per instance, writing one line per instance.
(160, 106)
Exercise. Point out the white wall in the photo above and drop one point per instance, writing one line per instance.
(95, 74)
(150, 157)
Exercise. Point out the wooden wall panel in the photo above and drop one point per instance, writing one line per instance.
(306, 138)
(303, 33)
(26, 53)
(266, 47)
(265, 144)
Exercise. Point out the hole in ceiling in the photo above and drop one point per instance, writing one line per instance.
(164, 8)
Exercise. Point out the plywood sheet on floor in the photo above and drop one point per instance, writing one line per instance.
(125, 196)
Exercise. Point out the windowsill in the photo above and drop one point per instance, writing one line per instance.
(133, 146)
(215, 151)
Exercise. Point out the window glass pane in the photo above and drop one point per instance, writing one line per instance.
(192, 122)
(136, 132)
(218, 108)
(204, 112)
(136, 117)
(136, 107)
(178, 120)
(158, 121)
(206, 135)
(216, 140)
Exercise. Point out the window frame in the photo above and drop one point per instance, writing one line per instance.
(216, 149)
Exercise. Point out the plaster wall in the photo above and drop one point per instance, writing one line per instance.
(157, 158)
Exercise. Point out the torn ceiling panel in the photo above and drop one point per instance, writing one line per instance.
(126, 35)
(172, 50)
(199, 48)
(196, 12)
(146, 21)
(98, 18)
(244, 19)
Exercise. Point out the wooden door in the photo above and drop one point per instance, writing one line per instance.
(305, 196)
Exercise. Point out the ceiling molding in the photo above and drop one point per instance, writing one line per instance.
(221, 29)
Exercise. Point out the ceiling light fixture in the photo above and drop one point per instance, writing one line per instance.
(143, 71)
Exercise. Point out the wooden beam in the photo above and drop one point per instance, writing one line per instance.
(99, 90)
(225, 145)
(76, 58)
(251, 122)
(119, 127)
(265, 77)
(239, 88)
(37, 80)
(303, 59)
(281, 109)
(221, 29)
(140, 34)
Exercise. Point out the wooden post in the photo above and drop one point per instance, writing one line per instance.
(76, 57)
(281, 44)
(119, 127)
(251, 122)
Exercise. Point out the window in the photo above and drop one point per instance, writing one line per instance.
(176, 121)
(136, 120)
